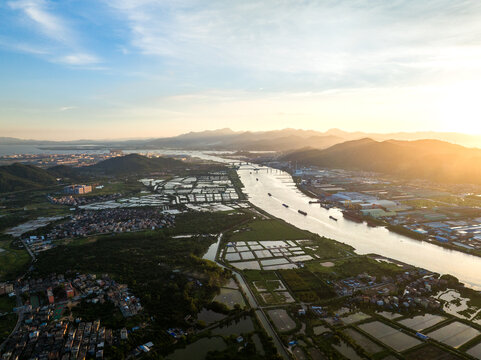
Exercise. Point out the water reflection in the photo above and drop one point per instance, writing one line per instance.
(363, 238)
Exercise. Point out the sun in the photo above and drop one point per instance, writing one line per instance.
(460, 107)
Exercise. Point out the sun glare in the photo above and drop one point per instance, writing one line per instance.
(460, 108)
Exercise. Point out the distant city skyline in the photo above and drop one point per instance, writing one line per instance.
(146, 68)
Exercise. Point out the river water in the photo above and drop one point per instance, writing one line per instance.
(364, 239)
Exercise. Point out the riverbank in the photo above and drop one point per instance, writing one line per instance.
(365, 239)
(398, 228)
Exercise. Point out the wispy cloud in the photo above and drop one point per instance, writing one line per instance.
(51, 25)
(67, 108)
(366, 40)
(64, 44)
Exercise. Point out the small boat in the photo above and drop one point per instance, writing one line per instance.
(285, 205)
(333, 218)
(302, 212)
(269, 194)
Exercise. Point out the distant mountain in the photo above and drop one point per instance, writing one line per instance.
(20, 177)
(227, 139)
(452, 137)
(428, 159)
(17, 176)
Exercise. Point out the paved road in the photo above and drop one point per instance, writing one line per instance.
(19, 320)
(258, 310)
(18, 295)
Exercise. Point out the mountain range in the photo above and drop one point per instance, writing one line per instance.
(227, 139)
(433, 160)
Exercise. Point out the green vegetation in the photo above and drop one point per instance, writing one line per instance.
(107, 313)
(167, 274)
(469, 200)
(305, 286)
(423, 203)
(7, 303)
(17, 177)
(13, 260)
(327, 248)
(132, 164)
(126, 188)
(146, 263)
(272, 229)
(28, 205)
(269, 283)
(237, 183)
(8, 221)
(20, 177)
(406, 232)
(7, 323)
(207, 222)
(354, 266)
(424, 159)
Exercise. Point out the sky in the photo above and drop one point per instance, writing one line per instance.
(93, 69)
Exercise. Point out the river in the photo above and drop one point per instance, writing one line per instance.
(365, 239)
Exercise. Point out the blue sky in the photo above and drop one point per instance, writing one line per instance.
(148, 68)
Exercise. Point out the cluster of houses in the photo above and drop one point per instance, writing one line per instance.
(37, 244)
(97, 289)
(49, 160)
(6, 288)
(417, 294)
(83, 286)
(81, 200)
(111, 221)
(40, 338)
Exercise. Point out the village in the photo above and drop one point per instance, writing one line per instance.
(46, 326)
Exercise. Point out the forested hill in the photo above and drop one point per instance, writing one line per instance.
(427, 159)
(132, 164)
(17, 177)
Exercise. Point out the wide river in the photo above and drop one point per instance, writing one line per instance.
(364, 239)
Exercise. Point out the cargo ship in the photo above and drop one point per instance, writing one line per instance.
(285, 205)
(352, 215)
(302, 212)
(333, 218)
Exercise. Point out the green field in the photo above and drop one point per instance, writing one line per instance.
(129, 187)
(305, 286)
(271, 229)
(327, 248)
(354, 266)
(12, 261)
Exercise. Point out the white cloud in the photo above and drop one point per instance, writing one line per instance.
(79, 59)
(63, 39)
(362, 39)
(67, 108)
(51, 25)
